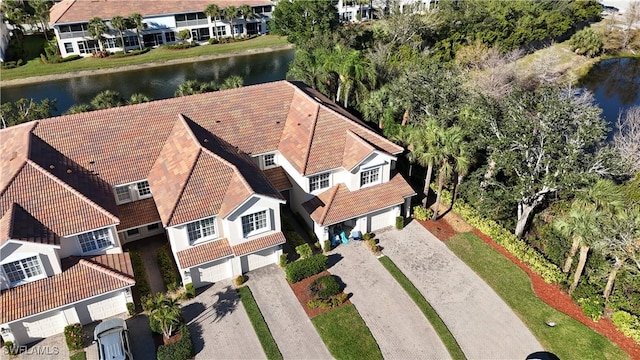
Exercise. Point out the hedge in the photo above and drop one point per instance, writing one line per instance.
(294, 239)
(179, 350)
(304, 268)
(74, 336)
(422, 213)
(627, 323)
(140, 274)
(168, 269)
(304, 250)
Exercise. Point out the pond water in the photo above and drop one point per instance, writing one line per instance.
(157, 82)
(615, 83)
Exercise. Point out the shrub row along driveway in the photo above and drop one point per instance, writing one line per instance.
(397, 324)
(291, 328)
(484, 326)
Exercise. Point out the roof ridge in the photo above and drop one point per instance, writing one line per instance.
(71, 189)
(333, 196)
(312, 134)
(106, 269)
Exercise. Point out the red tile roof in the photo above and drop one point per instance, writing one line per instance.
(279, 178)
(14, 150)
(68, 11)
(138, 213)
(204, 253)
(338, 203)
(356, 150)
(82, 278)
(18, 224)
(258, 244)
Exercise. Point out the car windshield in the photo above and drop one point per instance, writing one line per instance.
(112, 345)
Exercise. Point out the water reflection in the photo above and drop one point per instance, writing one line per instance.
(157, 83)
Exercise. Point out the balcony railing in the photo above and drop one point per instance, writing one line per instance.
(192, 22)
(74, 34)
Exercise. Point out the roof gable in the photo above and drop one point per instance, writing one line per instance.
(356, 150)
(18, 224)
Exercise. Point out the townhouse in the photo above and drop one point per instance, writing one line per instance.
(211, 171)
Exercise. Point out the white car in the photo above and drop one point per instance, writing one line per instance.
(112, 337)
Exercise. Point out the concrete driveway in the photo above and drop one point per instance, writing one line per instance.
(290, 326)
(396, 322)
(484, 326)
(219, 325)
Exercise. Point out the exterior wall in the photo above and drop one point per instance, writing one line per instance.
(13, 251)
(4, 40)
(70, 246)
(233, 223)
(144, 233)
(352, 178)
(348, 10)
(179, 238)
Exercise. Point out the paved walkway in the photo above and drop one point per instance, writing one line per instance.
(148, 249)
(484, 326)
(219, 325)
(396, 322)
(290, 326)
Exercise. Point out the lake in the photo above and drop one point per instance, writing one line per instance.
(156, 82)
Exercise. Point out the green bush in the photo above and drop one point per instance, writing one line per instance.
(399, 222)
(324, 287)
(304, 268)
(294, 239)
(10, 349)
(168, 269)
(190, 290)
(329, 303)
(283, 260)
(327, 245)
(367, 236)
(422, 213)
(628, 324)
(593, 307)
(304, 250)
(587, 42)
(179, 350)
(213, 41)
(240, 279)
(373, 245)
(140, 274)
(131, 308)
(74, 336)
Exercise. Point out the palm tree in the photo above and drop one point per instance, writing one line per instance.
(308, 67)
(247, 12)
(167, 315)
(107, 99)
(232, 82)
(41, 12)
(231, 12)
(78, 108)
(96, 29)
(189, 87)
(463, 163)
(450, 151)
(120, 24)
(137, 21)
(138, 98)
(213, 11)
(376, 107)
(354, 71)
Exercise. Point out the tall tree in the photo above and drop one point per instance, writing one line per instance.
(41, 13)
(213, 11)
(231, 13)
(119, 23)
(136, 19)
(303, 20)
(247, 12)
(96, 29)
(627, 138)
(450, 152)
(23, 110)
(308, 67)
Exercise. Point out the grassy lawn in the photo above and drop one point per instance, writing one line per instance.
(431, 315)
(259, 325)
(569, 339)
(78, 356)
(35, 68)
(346, 335)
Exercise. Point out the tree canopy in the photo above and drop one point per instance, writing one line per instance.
(301, 20)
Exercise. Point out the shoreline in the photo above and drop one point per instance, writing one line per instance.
(74, 74)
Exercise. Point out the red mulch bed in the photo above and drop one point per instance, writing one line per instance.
(554, 296)
(441, 228)
(300, 289)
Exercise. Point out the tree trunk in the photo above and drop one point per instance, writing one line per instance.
(405, 117)
(440, 186)
(584, 251)
(233, 31)
(339, 91)
(612, 277)
(427, 182)
(139, 39)
(572, 252)
(455, 190)
(215, 29)
(124, 48)
(346, 96)
(524, 213)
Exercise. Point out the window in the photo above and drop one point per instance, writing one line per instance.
(170, 36)
(222, 30)
(110, 43)
(68, 47)
(318, 182)
(254, 222)
(88, 47)
(133, 232)
(153, 226)
(238, 29)
(269, 160)
(23, 269)
(95, 240)
(143, 188)
(371, 176)
(123, 194)
(201, 229)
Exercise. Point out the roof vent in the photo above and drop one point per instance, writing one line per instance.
(51, 167)
(278, 122)
(298, 124)
(206, 140)
(68, 171)
(217, 121)
(309, 115)
(14, 154)
(92, 162)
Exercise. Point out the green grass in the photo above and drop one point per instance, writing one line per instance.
(35, 68)
(79, 356)
(569, 339)
(346, 335)
(259, 325)
(439, 326)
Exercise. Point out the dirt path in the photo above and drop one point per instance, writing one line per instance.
(73, 74)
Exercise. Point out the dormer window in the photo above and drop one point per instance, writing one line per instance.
(123, 194)
(269, 161)
(132, 192)
(23, 270)
(370, 177)
(318, 182)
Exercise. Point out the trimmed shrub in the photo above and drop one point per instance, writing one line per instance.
(422, 213)
(373, 245)
(190, 290)
(324, 287)
(304, 268)
(131, 308)
(9, 348)
(367, 236)
(168, 269)
(283, 260)
(399, 222)
(327, 245)
(140, 274)
(329, 303)
(592, 307)
(628, 324)
(179, 350)
(74, 336)
(304, 250)
(240, 279)
(294, 239)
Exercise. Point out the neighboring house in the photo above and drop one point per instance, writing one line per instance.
(211, 171)
(5, 36)
(349, 10)
(163, 20)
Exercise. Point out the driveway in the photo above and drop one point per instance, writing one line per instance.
(290, 326)
(396, 322)
(219, 325)
(484, 326)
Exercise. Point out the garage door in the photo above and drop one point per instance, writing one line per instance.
(106, 308)
(45, 327)
(259, 259)
(213, 272)
(380, 220)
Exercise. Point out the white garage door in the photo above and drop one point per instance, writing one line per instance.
(106, 308)
(213, 272)
(380, 220)
(45, 327)
(259, 259)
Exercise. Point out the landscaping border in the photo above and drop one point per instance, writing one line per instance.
(260, 326)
